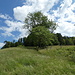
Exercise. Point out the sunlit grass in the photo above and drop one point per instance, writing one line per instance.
(54, 60)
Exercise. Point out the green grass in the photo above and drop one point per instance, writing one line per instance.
(55, 60)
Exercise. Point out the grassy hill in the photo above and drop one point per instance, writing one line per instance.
(55, 60)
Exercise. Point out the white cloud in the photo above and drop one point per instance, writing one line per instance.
(66, 17)
(24, 33)
(31, 6)
(14, 26)
(21, 12)
(1, 45)
(66, 29)
(65, 14)
(5, 16)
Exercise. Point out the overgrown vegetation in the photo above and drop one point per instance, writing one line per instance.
(54, 60)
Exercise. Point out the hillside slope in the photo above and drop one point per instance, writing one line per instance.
(54, 60)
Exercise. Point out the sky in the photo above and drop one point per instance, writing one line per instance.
(14, 12)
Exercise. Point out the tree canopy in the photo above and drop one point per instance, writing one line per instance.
(38, 19)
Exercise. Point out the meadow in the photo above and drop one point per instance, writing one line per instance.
(54, 60)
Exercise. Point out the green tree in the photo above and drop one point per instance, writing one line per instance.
(17, 44)
(73, 39)
(38, 19)
(24, 41)
(60, 39)
(20, 41)
(55, 40)
(7, 44)
(40, 36)
(69, 41)
(41, 29)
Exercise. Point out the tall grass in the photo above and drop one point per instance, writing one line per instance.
(55, 60)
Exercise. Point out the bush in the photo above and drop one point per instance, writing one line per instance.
(40, 36)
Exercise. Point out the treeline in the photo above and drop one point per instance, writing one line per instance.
(56, 39)
(9, 44)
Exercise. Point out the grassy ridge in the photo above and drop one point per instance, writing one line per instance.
(56, 60)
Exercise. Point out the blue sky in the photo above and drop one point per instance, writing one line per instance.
(13, 13)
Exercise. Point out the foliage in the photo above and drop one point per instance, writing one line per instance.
(9, 44)
(69, 40)
(60, 39)
(40, 37)
(54, 39)
(38, 19)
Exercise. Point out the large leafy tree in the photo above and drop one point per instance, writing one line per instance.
(41, 29)
(38, 19)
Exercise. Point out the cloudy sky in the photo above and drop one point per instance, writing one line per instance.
(13, 13)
